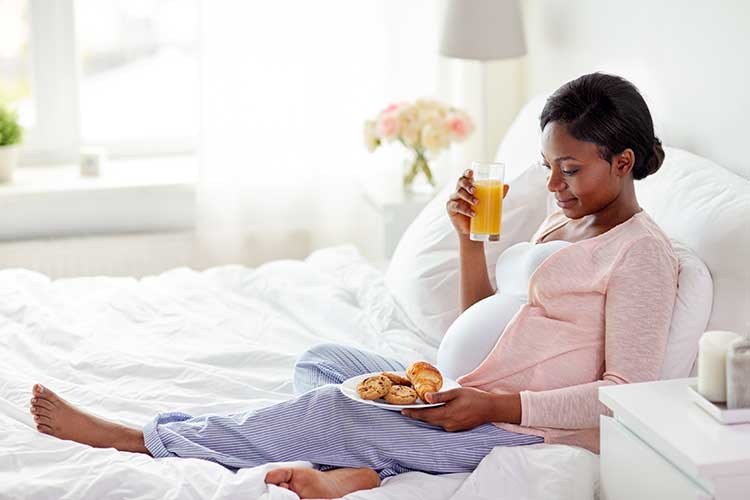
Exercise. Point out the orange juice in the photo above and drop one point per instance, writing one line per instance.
(487, 220)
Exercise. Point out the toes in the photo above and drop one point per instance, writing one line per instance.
(279, 477)
(44, 420)
(38, 410)
(44, 429)
(40, 391)
(42, 403)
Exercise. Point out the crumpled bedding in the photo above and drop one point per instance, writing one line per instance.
(221, 340)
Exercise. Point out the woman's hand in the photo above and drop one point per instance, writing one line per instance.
(460, 205)
(466, 408)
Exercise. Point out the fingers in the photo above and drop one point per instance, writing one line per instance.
(441, 397)
(455, 205)
(429, 415)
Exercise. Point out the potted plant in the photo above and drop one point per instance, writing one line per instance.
(425, 128)
(10, 138)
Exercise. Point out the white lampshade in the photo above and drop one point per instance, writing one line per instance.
(484, 30)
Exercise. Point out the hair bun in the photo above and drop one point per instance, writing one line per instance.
(654, 161)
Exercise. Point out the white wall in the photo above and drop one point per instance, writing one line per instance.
(690, 59)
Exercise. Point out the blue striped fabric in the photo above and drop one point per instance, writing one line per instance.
(324, 427)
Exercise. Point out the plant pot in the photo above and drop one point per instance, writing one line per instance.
(8, 162)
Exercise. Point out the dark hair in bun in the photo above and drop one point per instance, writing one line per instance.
(610, 112)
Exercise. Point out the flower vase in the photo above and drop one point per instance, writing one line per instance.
(417, 175)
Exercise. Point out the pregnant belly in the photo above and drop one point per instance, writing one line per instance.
(475, 332)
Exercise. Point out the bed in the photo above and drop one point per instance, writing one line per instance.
(214, 341)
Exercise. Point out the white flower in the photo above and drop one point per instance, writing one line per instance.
(371, 138)
(435, 136)
(409, 124)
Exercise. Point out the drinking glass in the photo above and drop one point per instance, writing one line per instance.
(488, 181)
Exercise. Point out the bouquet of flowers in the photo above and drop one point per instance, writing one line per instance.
(425, 126)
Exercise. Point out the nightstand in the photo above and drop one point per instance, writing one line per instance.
(660, 445)
(386, 217)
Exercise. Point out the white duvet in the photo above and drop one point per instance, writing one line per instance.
(220, 340)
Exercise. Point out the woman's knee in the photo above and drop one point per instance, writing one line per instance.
(310, 366)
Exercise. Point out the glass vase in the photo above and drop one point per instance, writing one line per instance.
(417, 175)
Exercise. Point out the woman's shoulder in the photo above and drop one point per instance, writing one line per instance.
(641, 238)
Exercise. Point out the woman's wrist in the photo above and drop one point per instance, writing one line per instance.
(504, 408)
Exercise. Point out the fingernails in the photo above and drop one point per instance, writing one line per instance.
(473, 213)
(472, 189)
(476, 201)
(33, 400)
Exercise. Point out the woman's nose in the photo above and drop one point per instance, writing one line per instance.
(555, 181)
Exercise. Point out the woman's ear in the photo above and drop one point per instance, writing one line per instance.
(624, 162)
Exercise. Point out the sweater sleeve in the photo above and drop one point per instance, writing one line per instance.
(640, 296)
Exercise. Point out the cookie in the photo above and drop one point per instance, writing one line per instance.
(374, 387)
(397, 379)
(401, 395)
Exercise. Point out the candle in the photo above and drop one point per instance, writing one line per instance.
(712, 356)
(738, 373)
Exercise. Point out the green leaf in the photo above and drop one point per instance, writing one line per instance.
(11, 131)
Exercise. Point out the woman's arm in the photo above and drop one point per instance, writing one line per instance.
(640, 297)
(474, 279)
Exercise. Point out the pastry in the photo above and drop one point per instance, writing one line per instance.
(401, 395)
(374, 387)
(397, 379)
(424, 378)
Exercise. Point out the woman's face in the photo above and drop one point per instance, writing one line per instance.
(581, 180)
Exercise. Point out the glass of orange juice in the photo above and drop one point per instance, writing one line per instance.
(488, 181)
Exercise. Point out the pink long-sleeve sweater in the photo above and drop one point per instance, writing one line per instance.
(598, 314)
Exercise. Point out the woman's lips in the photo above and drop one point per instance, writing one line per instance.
(566, 203)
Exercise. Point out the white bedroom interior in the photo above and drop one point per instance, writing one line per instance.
(235, 194)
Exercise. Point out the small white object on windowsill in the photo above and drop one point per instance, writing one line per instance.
(92, 161)
(738, 373)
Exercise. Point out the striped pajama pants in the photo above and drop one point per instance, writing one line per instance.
(322, 426)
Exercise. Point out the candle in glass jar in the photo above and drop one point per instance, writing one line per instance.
(712, 355)
(738, 373)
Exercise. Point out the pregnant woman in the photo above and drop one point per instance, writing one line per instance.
(587, 303)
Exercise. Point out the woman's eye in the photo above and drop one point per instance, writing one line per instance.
(547, 166)
(568, 172)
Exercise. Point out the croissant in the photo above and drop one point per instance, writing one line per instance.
(425, 378)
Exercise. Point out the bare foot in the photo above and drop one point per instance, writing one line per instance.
(311, 483)
(56, 417)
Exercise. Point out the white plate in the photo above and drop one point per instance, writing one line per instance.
(349, 388)
(719, 410)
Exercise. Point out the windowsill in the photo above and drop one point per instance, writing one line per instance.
(134, 195)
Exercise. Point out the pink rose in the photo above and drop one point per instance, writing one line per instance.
(387, 126)
(460, 126)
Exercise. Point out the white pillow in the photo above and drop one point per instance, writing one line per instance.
(707, 207)
(690, 316)
(423, 274)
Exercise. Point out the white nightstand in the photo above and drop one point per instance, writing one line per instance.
(661, 445)
(386, 217)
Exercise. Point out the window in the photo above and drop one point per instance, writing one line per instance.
(139, 73)
(15, 59)
(121, 74)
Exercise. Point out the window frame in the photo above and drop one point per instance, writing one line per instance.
(55, 137)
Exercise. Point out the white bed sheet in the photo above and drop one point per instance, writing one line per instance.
(220, 340)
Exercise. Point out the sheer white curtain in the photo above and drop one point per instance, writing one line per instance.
(286, 87)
